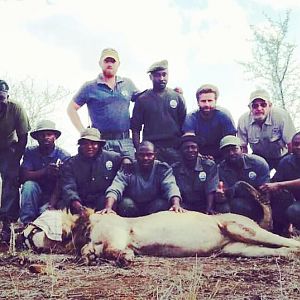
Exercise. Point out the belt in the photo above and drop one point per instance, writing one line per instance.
(115, 135)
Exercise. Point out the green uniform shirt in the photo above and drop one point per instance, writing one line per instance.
(13, 123)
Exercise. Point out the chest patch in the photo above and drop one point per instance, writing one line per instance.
(252, 175)
(173, 103)
(202, 176)
(109, 165)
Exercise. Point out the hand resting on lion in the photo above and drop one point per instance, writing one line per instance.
(166, 234)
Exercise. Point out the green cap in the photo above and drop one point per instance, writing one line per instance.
(158, 66)
(230, 140)
(91, 134)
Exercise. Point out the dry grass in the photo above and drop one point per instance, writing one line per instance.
(150, 278)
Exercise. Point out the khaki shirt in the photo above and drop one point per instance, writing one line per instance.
(269, 140)
(13, 123)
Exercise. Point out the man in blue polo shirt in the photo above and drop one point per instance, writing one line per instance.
(39, 171)
(209, 123)
(240, 167)
(107, 98)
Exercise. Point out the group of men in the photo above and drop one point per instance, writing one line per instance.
(171, 160)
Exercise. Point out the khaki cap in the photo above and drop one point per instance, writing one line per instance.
(230, 140)
(208, 87)
(158, 66)
(259, 94)
(109, 52)
(45, 125)
(91, 134)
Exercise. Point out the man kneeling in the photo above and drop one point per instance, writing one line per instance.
(149, 187)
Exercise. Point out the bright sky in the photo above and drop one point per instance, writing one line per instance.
(60, 41)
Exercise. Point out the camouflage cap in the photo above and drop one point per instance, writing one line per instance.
(259, 94)
(207, 88)
(158, 66)
(3, 86)
(230, 140)
(91, 134)
(109, 52)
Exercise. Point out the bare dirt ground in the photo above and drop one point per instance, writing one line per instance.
(64, 277)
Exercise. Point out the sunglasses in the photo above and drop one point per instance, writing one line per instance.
(257, 105)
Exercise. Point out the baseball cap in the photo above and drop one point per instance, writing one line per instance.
(109, 52)
(259, 94)
(230, 140)
(91, 134)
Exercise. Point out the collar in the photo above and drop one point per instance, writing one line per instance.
(246, 165)
(268, 120)
(198, 166)
(51, 155)
(100, 79)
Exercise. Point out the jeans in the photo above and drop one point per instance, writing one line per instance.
(33, 202)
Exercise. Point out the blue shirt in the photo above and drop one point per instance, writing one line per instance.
(108, 108)
(33, 160)
(209, 131)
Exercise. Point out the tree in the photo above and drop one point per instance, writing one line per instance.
(274, 65)
(38, 100)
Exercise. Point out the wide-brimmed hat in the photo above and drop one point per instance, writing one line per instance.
(91, 134)
(230, 140)
(45, 125)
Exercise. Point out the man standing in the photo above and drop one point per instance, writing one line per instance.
(151, 187)
(86, 176)
(208, 123)
(239, 167)
(14, 127)
(40, 171)
(196, 177)
(162, 111)
(107, 98)
(268, 130)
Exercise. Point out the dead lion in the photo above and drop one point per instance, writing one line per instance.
(166, 234)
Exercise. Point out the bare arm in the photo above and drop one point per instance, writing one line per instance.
(108, 209)
(136, 138)
(276, 186)
(51, 170)
(176, 205)
(74, 117)
(210, 203)
(19, 147)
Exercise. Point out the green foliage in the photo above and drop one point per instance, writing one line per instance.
(274, 64)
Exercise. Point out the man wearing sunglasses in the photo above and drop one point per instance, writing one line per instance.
(267, 129)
